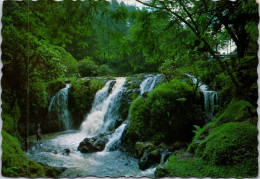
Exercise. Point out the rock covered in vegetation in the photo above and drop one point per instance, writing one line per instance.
(143, 148)
(149, 159)
(229, 150)
(230, 144)
(237, 111)
(160, 118)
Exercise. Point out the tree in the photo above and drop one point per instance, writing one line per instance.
(194, 16)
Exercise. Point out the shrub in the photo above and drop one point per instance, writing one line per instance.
(104, 70)
(167, 114)
(87, 67)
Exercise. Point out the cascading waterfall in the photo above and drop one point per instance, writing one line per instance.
(149, 83)
(115, 137)
(59, 107)
(95, 120)
(210, 97)
(109, 162)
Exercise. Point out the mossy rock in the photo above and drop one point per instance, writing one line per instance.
(144, 147)
(237, 111)
(163, 117)
(183, 164)
(229, 144)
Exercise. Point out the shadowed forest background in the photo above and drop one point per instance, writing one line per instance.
(49, 47)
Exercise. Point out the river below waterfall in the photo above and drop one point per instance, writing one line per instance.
(104, 112)
(50, 151)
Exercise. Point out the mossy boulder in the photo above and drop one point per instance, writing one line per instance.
(144, 147)
(229, 144)
(184, 164)
(237, 111)
(167, 114)
(149, 159)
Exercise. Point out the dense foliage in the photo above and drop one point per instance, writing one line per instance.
(47, 44)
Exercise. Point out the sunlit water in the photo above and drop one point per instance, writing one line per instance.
(50, 151)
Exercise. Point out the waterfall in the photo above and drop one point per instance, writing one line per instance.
(210, 97)
(59, 108)
(149, 83)
(209, 100)
(94, 123)
(115, 138)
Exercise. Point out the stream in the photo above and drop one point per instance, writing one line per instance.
(51, 149)
(102, 117)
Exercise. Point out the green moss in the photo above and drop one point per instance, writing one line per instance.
(182, 165)
(200, 134)
(54, 86)
(231, 143)
(10, 121)
(15, 162)
(236, 111)
(159, 117)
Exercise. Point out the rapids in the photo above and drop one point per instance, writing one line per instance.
(51, 149)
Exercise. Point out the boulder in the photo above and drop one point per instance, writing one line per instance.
(160, 172)
(67, 151)
(111, 85)
(143, 148)
(149, 159)
(94, 144)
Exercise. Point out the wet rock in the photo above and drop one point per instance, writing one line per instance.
(94, 144)
(111, 85)
(160, 172)
(173, 147)
(143, 148)
(149, 159)
(67, 151)
(165, 154)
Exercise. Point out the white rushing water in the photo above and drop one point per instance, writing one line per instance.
(112, 163)
(95, 120)
(210, 97)
(59, 107)
(116, 136)
(149, 83)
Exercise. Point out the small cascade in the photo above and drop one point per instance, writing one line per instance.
(115, 137)
(210, 98)
(149, 83)
(94, 123)
(58, 108)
